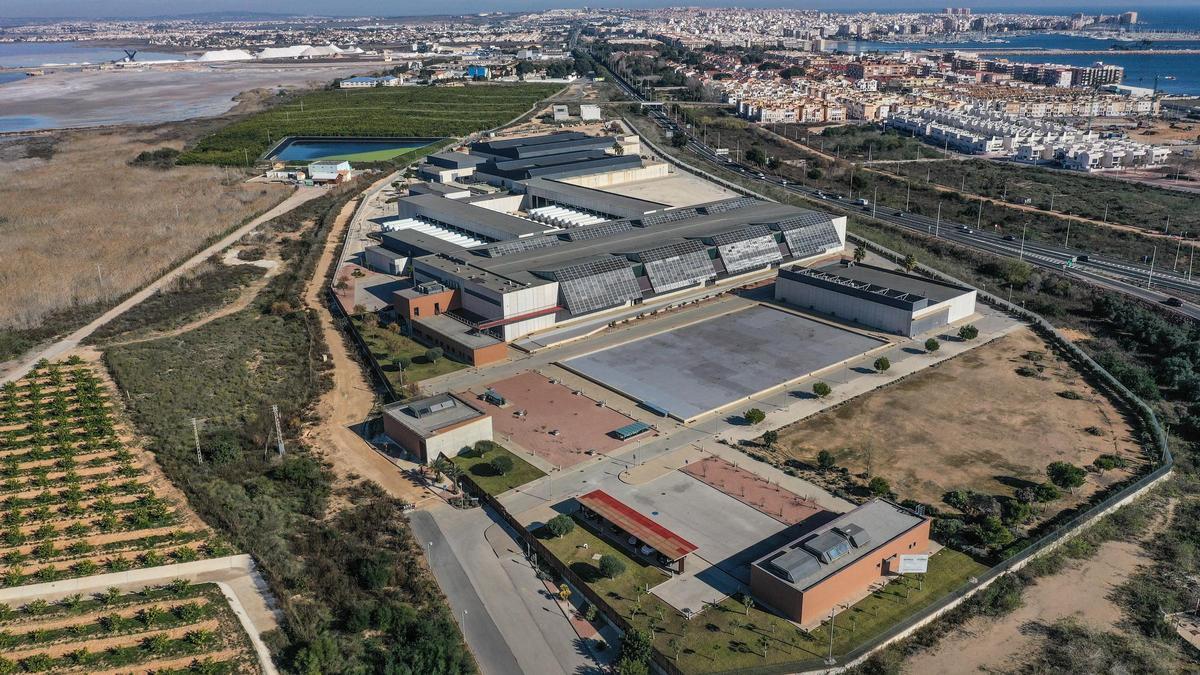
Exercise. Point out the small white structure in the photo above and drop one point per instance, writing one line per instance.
(561, 113)
(329, 171)
(589, 112)
(381, 259)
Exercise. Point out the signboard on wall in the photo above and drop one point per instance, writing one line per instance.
(913, 564)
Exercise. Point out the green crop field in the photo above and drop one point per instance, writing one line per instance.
(392, 111)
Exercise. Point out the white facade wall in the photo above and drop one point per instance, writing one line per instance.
(849, 308)
(452, 442)
(526, 301)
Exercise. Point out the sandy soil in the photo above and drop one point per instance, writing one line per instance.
(971, 422)
(352, 396)
(986, 645)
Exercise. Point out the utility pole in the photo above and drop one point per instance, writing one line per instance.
(907, 193)
(832, 619)
(851, 181)
(1022, 255)
(938, 223)
(979, 214)
(875, 202)
(278, 429)
(1153, 257)
(196, 435)
(1068, 237)
(1178, 247)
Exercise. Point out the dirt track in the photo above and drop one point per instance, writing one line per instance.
(352, 396)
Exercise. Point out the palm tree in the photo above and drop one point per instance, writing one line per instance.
(860, 253)
(441, 466)
(910, 262)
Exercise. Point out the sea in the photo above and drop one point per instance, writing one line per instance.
(1177, 73)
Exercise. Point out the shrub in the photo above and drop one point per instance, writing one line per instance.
(879, 486)
(932, 345)
(433, 355)
(1046, 492)
(968, 332)
(821, 389)
(611, 566)
(769, 438)
(754, 416)
(1066, 475)
(882, 364)
(502, 464)
(1108, 462)
(560, 525)
(826, 460)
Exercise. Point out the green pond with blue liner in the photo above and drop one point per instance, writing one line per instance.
(353, 149)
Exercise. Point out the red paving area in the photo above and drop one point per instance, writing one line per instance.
(580, 423)
(753, 490)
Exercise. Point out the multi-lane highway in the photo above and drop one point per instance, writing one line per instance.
(1149, 282)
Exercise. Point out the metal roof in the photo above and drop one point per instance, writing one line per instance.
(428, 416)
(647, 531)
(875, 523)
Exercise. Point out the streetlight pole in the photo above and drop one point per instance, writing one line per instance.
(851, 181)
(907, 193)
(1068, 237)
(832, 624)
(1153, 257)
(875, 202)
(938, 223)
(979, 214)
(1022, 254)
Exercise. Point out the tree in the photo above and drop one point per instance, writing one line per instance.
(754, 416)
(404, 362)
(635, 652)
(501, 464)
(910, 262)
(1066, 475)
(747, 602)
(1045, 492)
(770, 437)
(432, 355)
(756, 155)
(815, 174)
(359, 310)
(611, 566)
(882, 364)
(968, 332)
(560, 525)
(879, 486)
(825, 460)
(992, 532)
(773, 163)
(821, 389)
(678, 139)
(860, 253)
(932, 345)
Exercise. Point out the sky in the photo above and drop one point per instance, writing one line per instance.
(142, 8)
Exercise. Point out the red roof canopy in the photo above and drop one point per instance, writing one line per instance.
(654, 535)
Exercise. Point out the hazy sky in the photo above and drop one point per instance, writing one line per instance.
(135, 8)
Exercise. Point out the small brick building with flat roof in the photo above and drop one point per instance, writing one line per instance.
(438, 425)
(838, 561)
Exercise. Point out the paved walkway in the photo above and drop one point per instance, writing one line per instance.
(61, 347)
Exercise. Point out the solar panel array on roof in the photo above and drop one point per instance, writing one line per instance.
(676, 266)
(518, 245)
(670, 216)
(596, 231)
(727, 205)
(753, 231)
(803, 219)
(811, 240)
(599, 283)
(750, 253)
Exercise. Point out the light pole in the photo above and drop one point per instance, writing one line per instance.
(1052, 196)
(875, 202)
(1153, 257)
(1022, 254)
(851, 181)
(1068, 237)
(937, 224)
(907, 193)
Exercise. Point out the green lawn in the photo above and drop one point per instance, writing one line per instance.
(476, 465)
(384, 111)
(386, 345)
(726, 637)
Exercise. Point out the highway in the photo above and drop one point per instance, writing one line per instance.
(1141, 281)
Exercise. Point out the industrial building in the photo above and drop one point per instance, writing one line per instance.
(439, 425)
(330, 171)
(548, 249)
(839, 562)
(894, 302)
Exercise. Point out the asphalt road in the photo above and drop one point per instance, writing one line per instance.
(488, 644)
(1147, 282)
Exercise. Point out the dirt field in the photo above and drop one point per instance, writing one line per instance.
(84, 226)
(972, 423)
(557, 424)
(752, 490)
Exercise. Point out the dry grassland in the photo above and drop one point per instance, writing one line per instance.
(84, 226)
(974, 423)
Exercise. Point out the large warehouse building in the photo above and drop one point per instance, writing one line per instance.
(894, 302)
(545, 251)
(839, 561)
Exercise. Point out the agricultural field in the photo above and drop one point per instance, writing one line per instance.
(390, 111)
(77, 500)
(176, 628)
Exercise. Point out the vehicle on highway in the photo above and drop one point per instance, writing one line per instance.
(1173, 302)
(965, 229)
(1082, 258)
(900, 214)
(1009, 237)
(760, 175)
(862, 202)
